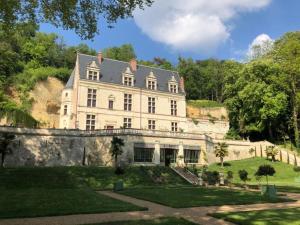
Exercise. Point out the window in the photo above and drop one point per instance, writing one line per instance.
(110, 104)
(66, 94)
(65, 109)
(127, 102)
(90, 122)
(92, 75)
(127, 123)
(91, 98)
(191, 156)
(128, 81)
(151, 124)
(173, 108)
(151, 105)
(173, 88)
(174, 126)
(143, 154)
(151, 84)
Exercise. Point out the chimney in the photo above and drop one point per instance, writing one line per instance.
(100, 58)
(181, 84)
(133, 65)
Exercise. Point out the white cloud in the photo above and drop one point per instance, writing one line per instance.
(259, 46)
(197, 25)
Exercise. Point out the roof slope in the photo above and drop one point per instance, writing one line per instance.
(111, 72)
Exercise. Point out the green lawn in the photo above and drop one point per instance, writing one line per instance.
(184, 197)
(265, 217)
(162, 221)
(30, 192)
(204, 103)
(284, 176)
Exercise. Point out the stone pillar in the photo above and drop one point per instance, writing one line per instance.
(156, 159)
(180, 155)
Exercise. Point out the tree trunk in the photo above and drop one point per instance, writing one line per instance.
(270, 131)
(222, 162)
(116, 161)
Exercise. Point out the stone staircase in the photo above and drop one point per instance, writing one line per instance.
(186, 174)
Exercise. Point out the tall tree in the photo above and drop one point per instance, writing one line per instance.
(80, 15)
(123, 53)
(116, 148)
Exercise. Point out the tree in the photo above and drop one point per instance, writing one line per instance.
(123, 53)
(221, 151)
(265, 170)
(243, 174)
(80, 15)
(116, 148)
(5, 140)
(272, 151)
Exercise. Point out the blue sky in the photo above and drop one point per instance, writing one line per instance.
(198, 29)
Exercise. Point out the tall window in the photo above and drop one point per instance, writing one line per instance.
(173, 108)
(151, 124)
(173, 88)
(92, 75)
(151, 105)
(191, 156)
(128, 81)
(91, 98)
(143, 154)
(174, 126)
(90, 122)
(127, 102)
(127, 123)
(151, 84)
(65, 109)
(110, 104)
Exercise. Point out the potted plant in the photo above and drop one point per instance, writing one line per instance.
(267, 190)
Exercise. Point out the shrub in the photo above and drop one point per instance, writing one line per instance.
(119, 170)
(229, 177)
(211, 177)
(243, 175)
(265, 170)
(297, 168)
(272, 151)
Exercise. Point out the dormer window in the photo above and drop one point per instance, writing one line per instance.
(173, 86)
(151, 81)
(93, 71)
(128, 78)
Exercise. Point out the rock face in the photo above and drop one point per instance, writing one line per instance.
(47, 101)
(214, 113)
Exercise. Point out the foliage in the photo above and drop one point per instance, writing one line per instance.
(272, 151)
(159, 63)
(265, 170)
(221, 151)
(122, 53)
(297, 168)
(211, 177)
(116, 148)
(5, 140)
(243, 174)
(229, 177)
(82, 16)
(204, 103)
(232, 134)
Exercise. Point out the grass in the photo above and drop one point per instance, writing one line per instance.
(184, 197)
(33, 192)
(266, 217)
(285, 177)
(204, 104)
(161, 221)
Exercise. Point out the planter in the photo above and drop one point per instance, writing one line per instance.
(119, 185)
(269, 191)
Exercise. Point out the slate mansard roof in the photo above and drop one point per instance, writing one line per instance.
(111, 72)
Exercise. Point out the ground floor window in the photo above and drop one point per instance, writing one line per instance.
(127, 123)
(143, 154)
(90, 122)
(151, 124)
(168, 155)
(191, 156)
(174, 126)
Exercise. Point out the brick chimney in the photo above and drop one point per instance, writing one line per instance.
(133, 65)
(100, 57)
(181, 83)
